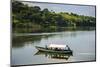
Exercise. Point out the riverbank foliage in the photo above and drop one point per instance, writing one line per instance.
(33, 18)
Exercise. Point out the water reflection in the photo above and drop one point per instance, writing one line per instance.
(54, 55)
(20, 41)
(42, 30)
(81, 42)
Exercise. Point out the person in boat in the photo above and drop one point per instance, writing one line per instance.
(67, 47)
(56, 49)
(47, 47)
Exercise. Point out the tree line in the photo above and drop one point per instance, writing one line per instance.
(24, 16)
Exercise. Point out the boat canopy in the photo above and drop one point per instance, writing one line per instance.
(57, 46)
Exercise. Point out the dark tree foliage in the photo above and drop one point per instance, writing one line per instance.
(24, 16)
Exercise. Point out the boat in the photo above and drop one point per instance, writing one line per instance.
(54, 48)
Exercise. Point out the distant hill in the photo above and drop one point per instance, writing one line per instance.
(33, 18)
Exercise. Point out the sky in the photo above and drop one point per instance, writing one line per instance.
(78, 9)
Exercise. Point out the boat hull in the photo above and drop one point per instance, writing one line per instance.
(54, 51)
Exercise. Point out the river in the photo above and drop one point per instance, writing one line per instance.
(23, 49)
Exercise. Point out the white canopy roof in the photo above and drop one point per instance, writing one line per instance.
(56, 46)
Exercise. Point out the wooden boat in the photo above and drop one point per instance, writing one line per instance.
(55, 50)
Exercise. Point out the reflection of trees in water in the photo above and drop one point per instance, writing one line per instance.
(19, 41)
(54, 55)
(46, 30)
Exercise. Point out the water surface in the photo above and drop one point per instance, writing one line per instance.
(24, 52)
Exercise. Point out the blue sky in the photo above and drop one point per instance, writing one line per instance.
(78, 9)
